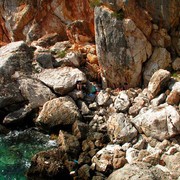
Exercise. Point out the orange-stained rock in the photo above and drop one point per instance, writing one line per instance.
(79, 32)
(71, 10)
(92, 58)
(3, 32)
(29, 20)
(141, 17)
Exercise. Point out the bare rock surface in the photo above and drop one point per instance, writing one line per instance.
(59, 111)
(158, 81)
(35, 92)
(120, 129)
(160, 122)
(62, 80)
(139, 171)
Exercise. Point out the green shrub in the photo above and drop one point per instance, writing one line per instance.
(176, 75)
(61, 54)
(119, 15)
(94, 3)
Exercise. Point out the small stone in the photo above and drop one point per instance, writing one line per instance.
(80, 129)
(93, 106)
(102, 98)
(132, 155)
(122, 102)
(119, 162)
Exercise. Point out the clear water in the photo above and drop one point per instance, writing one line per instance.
(16, 150)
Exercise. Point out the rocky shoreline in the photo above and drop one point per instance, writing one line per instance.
(106, 86)
(97, 133)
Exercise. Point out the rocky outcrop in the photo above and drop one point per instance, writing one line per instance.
(106, 139)
(163, 13)
(61, 89)
(121, 48)
(30, 20)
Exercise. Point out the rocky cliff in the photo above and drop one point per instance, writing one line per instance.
(133, 39)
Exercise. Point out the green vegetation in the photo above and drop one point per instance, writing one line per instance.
(94, 3)
(61, 54)
(119, 14)
(176, 75)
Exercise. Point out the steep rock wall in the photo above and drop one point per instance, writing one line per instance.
(32, 19)
(127, 33)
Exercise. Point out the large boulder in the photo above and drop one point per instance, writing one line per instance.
(160, 59)
(10, 94)
(162, 122)
(35, 92)
(174, 97)
(158, 82)
(121, 48)
(59, 111)
(120, 129)
(139, 171)
(62, 80)
(16, 56)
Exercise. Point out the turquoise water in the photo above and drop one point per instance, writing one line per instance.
(16, 150)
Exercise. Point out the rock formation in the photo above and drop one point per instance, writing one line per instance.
(101, 75)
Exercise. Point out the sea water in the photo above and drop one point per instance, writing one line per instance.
(17, 149)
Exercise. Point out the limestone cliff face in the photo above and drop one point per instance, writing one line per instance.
(129, 32)
(31, 19)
